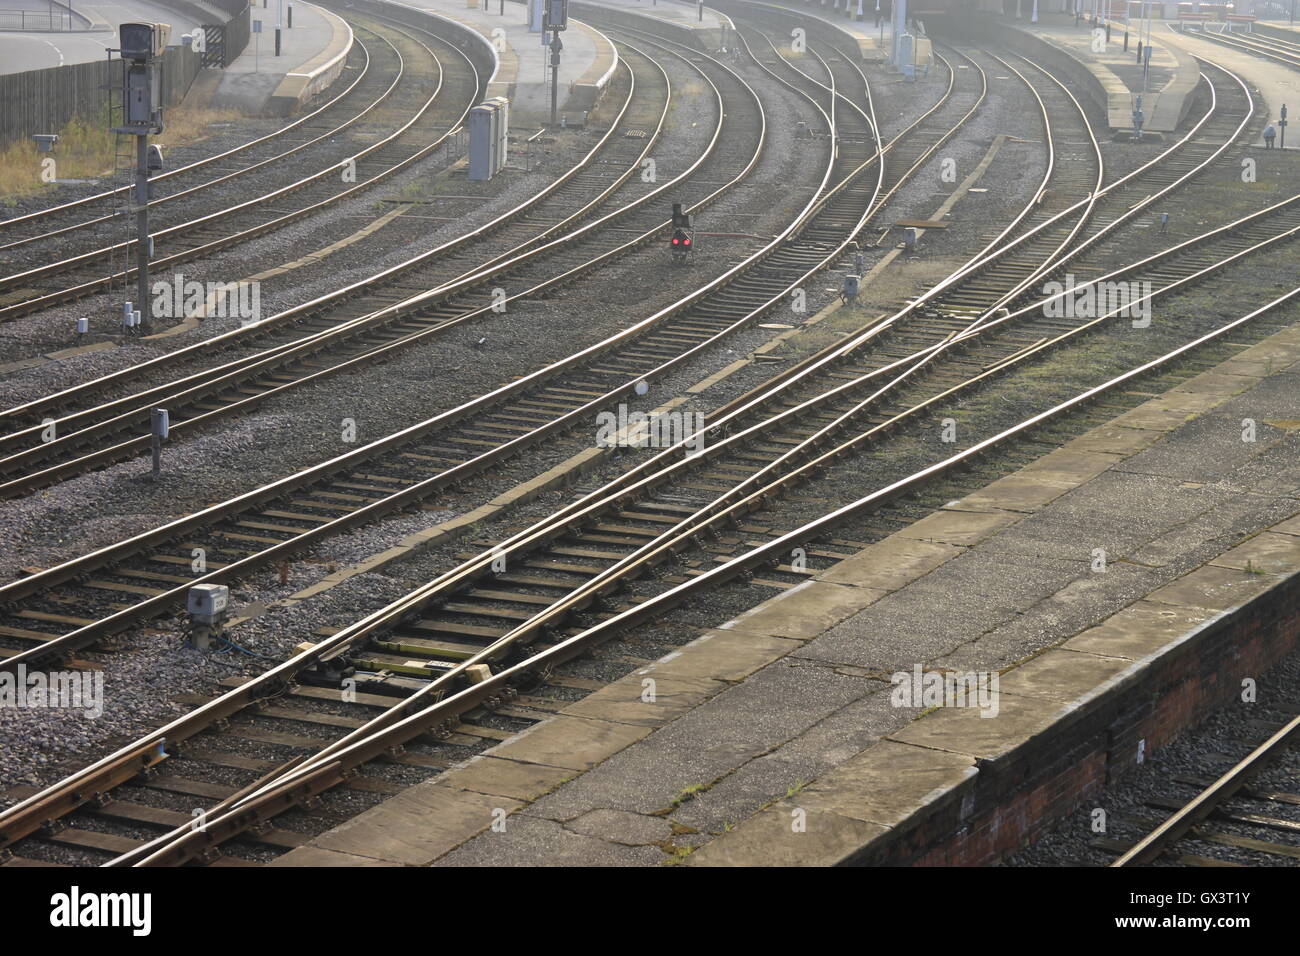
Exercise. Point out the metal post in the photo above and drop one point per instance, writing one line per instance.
(555, 75)
(289, 22)
(701, 6)
(142, 231)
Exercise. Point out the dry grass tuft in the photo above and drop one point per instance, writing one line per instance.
(86, 150)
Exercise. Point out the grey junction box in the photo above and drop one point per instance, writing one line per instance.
(489, 124)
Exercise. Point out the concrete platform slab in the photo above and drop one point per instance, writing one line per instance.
(506, 778)
(808, 609)
(529, 841)
(574, 743)
(960, 527)
(647, 701)
(317, 856)
(398, 830)
(1140, 629)
(892, 564)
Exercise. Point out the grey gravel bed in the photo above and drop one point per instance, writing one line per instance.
(401, 239)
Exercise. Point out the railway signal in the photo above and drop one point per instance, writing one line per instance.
(140, 47)
(680, 244)
(555, 18)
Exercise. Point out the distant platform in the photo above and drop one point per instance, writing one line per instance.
(1278, 85)
(701, 27)
(312, 55)
(587, 63)
(1170, 83)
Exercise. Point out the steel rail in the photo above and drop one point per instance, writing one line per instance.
(681, 457)
(171, 197)
(108, 251)
(15, 821)
(553, 649)
(86, 389)
(318, 341)
(87, 634)
(1203, 805)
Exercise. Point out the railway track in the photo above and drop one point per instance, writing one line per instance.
(429, 456)
(447, 707)
(369, 86)
(292, 525)
(620, 543)
(1269, 48)
(1191, 819)
(527, 249)
(438, 109)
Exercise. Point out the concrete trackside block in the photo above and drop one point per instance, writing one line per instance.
(570, 742)
(416, 826)
(808, 609)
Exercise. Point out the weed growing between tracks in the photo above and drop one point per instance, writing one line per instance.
(87, 150)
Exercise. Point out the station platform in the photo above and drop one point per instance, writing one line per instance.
(587, 63)
(1278, 85)
(779, 738)
(1114, 73)
(258, 83)
(701, 27)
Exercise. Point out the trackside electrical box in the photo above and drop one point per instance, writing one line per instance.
(488, 127)
(207, 603)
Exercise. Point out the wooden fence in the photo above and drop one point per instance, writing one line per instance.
(44, 101)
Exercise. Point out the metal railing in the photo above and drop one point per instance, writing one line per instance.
(42, 21)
